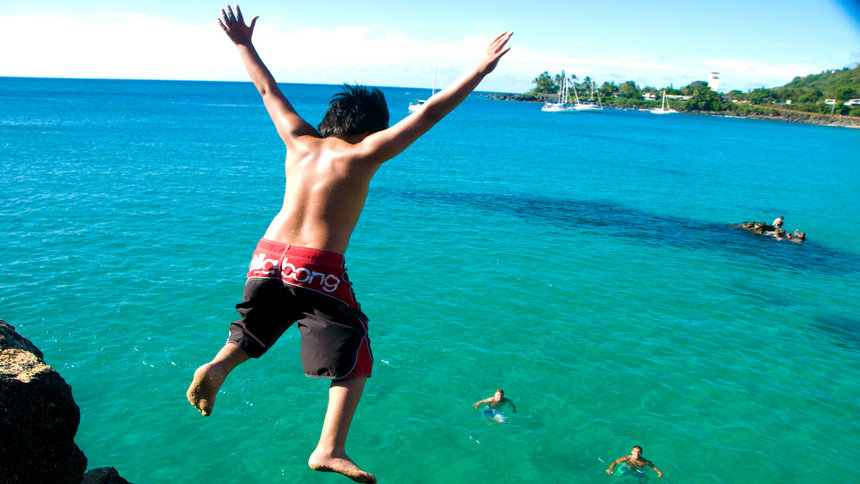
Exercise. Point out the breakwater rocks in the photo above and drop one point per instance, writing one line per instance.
(791, 117)
(39, 420)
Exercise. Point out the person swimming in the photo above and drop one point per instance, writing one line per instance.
(634, 461)
(495, 404)
(798, 236)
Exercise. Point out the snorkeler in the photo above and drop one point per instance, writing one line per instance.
(634, 461)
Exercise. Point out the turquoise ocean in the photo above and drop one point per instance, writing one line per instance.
(583, 263)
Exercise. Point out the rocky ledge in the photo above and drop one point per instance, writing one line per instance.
(792, 117)
(39, 420)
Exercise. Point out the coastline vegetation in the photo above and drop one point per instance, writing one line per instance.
(812, 94)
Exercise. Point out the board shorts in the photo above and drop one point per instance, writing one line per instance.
(287, 284)
(494, 414)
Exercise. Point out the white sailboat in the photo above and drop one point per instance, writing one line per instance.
(588, 105)
(664, 108)
(562, 106)
(419, 103)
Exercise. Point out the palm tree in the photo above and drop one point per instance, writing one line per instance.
(544, 84)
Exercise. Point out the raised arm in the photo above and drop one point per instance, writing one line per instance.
(288, 123)
(388, 143)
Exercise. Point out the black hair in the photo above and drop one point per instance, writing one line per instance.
(355, 110)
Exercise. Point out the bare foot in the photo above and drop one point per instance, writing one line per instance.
(203, 389)
(325, 462)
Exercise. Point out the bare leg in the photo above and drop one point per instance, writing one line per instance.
(330, 454)
(209, 377)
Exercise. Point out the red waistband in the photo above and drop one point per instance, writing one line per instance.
(319, 270)
(319, 256)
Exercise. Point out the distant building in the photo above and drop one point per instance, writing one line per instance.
(714, 81)
(649, 96)
(679, 97)
(852, 102)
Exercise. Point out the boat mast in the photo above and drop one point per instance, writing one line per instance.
(566, 94)
(434, 79)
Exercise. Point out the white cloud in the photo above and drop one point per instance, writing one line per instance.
(363, 47)
(137, 45)
(122, 45)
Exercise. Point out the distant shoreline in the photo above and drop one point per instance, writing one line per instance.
(778, 115)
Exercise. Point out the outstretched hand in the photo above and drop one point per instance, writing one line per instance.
(234, 26)
(494, 52)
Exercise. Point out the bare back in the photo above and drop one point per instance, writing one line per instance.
(327, 182)
(328, 178)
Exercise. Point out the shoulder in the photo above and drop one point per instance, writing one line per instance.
(323, 147)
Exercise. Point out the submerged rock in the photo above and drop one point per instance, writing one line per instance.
(762, 228)
(103, 475)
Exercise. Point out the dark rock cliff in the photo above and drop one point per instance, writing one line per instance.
(38, 420)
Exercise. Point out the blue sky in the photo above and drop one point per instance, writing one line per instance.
(752, 43)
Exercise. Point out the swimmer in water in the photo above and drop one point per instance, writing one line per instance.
(799, 236)
(634, 461)
(497, 401)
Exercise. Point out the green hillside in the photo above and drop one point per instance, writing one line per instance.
(803, 94)
(841, 85)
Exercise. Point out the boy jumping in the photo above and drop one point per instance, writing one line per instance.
(297, 272)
